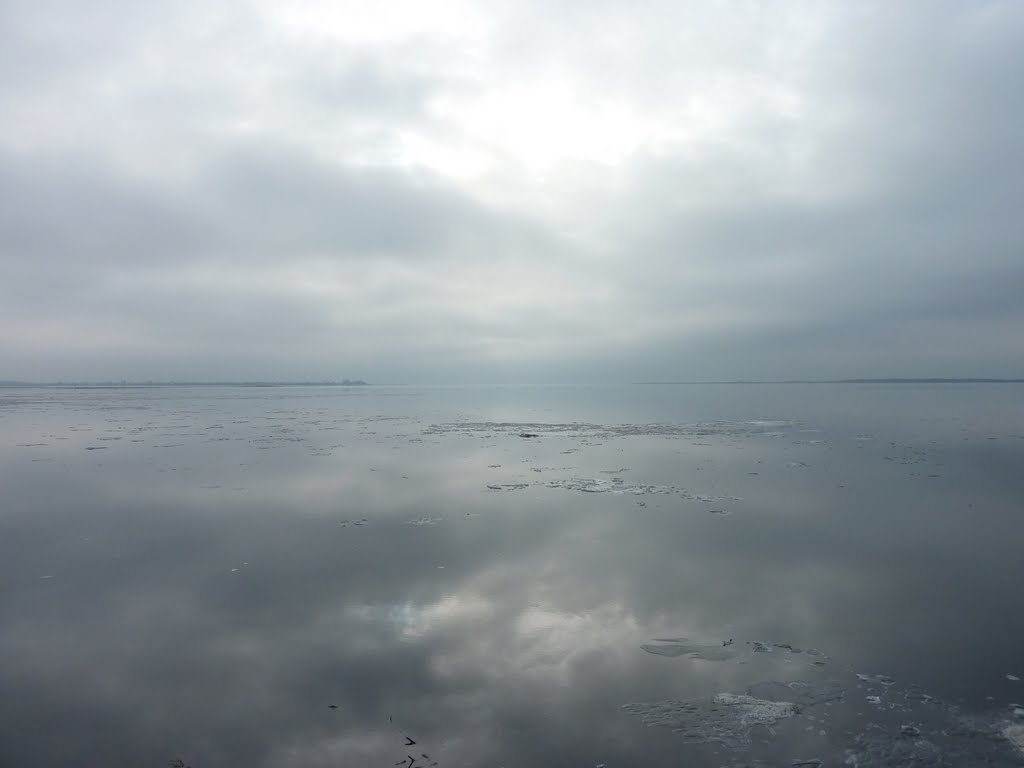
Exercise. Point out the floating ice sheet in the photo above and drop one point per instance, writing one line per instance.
(1015, 735)
(726, 718)
(876, 679)
(734, 719)
(618, 486)
(878, 748)
(905, 728)
(964, 747)
(673, 647)
(729, 649)
(615, 485)
(803, 693)
(589, 430)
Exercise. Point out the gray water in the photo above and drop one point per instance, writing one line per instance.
(699, 575)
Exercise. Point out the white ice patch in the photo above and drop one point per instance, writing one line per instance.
(1015, 735)
(424, 521)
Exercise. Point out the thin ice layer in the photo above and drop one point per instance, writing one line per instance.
(618, 486)
(1015, 735)
(972, 745)
(726, 718)
(583, 429)
(680, 646)
(674, 647)
(803, 693)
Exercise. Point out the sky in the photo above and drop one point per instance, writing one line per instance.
(511, 192)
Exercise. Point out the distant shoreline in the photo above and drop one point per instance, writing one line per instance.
(849, 381)
(145, 384)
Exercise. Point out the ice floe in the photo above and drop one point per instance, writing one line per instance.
(605, 431)
(726, 718)
(803, 693)
(905, 727)
(619, 486)
(729, 649)
(680, 646)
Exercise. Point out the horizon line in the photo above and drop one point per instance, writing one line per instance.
(125, 383)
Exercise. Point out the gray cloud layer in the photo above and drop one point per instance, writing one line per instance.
(493, 191)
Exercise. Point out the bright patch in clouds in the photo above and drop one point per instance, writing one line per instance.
(541, 125)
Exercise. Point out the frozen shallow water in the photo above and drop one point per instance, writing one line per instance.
(628, 576)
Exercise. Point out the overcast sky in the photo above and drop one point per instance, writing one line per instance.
(511, 191)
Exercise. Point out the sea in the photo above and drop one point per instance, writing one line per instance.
(699, 575)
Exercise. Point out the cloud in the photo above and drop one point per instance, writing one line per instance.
(495, 191)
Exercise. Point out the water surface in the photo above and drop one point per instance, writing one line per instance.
(696, 575)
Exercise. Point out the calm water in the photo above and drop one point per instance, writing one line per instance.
(656, 575)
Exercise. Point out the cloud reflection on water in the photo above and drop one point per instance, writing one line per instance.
(219, 624)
